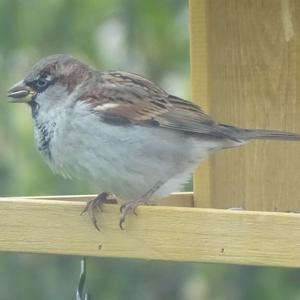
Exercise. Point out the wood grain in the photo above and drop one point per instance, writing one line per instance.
(175, 199)
(252, 82)
(200, 92)
(160, 233)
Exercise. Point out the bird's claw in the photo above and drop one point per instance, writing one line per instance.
(95, 205)
(130, 208)
(121, 222)
(125, 209)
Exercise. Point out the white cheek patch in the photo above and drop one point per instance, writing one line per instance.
(105, 106)
(48, 77)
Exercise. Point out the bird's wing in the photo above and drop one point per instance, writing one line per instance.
(131, 99)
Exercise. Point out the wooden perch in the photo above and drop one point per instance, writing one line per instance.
(244, 71)
(41, 225)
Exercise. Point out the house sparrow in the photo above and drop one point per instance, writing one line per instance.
(120, 131)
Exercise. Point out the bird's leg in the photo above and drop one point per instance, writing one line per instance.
(96, 204)
(130, 207)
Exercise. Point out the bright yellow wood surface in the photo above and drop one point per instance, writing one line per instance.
(162, 233)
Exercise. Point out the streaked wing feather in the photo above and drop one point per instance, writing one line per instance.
(139, 101)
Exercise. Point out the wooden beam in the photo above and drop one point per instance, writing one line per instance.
(253, 84)
(200, 92)
(175, 199)
(244, 67)
(161, 233)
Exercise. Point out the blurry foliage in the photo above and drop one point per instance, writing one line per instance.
(147, 37)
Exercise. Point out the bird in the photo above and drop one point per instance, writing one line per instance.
(122, 133)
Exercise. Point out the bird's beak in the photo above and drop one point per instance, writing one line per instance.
(21, 93)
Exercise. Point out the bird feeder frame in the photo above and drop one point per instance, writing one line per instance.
(240, 51)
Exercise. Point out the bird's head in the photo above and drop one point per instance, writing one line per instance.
(49, 82)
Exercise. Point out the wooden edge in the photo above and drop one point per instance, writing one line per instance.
(158, 232)
(176, 199)
(199, 58)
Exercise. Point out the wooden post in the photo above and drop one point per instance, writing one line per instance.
(199, 73)
(244, 62)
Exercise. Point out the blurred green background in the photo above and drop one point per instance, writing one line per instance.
(146, 37)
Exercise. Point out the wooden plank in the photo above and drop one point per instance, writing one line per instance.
(199, 76)
(175, 199)
(251, 77)
(162, 233)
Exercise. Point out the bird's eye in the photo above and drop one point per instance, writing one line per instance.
(41, 82)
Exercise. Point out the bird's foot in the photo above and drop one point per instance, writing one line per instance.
(130, 208)
(94, 205)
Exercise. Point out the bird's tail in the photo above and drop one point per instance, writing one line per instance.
(261, 134)
(245, 135)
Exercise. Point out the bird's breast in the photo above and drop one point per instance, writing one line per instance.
(44, 133)
(124, 160)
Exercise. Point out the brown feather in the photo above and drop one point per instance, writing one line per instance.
(139, 101)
